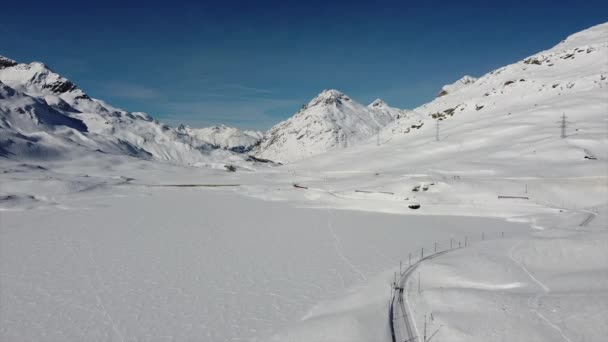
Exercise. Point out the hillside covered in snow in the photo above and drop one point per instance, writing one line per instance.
(513, 114)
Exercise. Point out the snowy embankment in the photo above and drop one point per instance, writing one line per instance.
(550, 287)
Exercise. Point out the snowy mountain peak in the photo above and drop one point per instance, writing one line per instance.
(461, 83)
(328, 97)
(331, 93)
(35, 78)
(330, 120)
(377, 103)
(40, 67)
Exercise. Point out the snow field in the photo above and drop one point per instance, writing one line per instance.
(129, 262)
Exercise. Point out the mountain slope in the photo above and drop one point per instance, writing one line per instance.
(27, 114)
(550, 83)
(330, 120)
(29, 127)
(507, 122)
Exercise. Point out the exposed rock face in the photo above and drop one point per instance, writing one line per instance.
(6, 62)
(59, 87)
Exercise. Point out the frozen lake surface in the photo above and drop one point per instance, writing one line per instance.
(152, 264)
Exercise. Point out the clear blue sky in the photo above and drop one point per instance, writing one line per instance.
(253, 63)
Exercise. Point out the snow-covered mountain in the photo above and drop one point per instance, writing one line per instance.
(46, 115)
(330, 120)
(230, 138)
(39, 105)
(30, 127)
(509, 116)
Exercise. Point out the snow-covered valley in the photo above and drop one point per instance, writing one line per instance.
(115, 227)
(132, 262)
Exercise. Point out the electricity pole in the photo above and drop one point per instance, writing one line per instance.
(563, 124)
(424, 338)
(437, 130)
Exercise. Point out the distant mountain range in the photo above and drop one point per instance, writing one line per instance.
(225, 137)
(45, 116)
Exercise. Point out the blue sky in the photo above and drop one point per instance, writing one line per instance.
(252, 64)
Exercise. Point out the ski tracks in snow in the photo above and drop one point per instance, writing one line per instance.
(95, 291)
(338, 247)
(533, 301)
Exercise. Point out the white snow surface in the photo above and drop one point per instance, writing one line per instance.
(105, 247)
(96, 255)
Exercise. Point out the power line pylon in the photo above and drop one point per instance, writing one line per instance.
(563, 124)
(437, 130)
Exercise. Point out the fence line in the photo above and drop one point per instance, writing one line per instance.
(400, 322)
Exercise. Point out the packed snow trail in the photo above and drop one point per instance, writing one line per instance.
(100, 303)
(338, 247)
(590, 217)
